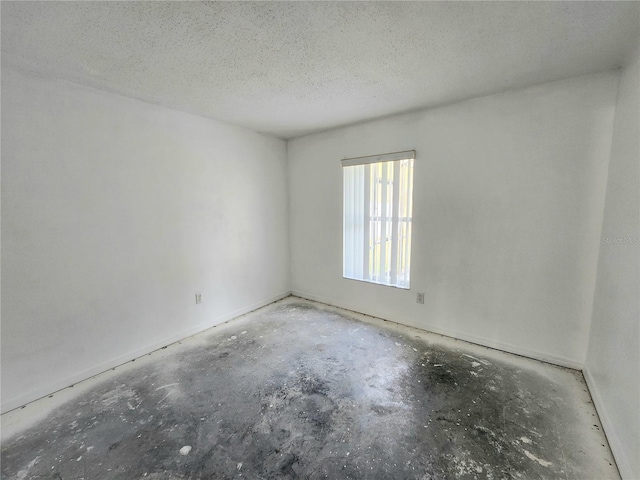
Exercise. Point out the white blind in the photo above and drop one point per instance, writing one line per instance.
(378, 192)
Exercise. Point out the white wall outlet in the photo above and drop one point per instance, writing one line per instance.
(198, 298)
(420, 298)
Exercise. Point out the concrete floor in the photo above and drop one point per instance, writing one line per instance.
(301, 390)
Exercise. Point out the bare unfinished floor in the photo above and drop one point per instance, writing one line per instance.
(301, 390)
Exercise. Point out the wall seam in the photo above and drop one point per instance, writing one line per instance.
(606, 192)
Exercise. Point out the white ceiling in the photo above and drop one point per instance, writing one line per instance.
(293, 68)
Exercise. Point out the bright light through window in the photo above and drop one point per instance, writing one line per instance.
(378, 194)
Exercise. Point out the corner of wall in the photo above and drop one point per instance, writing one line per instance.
(615, 444)
(289, 241)
(600, 369)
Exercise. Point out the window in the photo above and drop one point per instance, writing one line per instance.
(378, 192)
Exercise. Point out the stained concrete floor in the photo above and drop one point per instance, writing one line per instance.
(302, 390)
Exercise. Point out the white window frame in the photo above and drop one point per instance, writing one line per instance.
(359, 243)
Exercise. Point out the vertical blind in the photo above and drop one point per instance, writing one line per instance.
(378, 192)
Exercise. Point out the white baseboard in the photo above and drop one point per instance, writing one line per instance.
(624, 467)
(53, 387)
(485, 342)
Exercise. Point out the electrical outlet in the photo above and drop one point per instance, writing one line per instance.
(420, 298)
(198, 298)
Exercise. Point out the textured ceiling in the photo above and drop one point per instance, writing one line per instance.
(300, 67)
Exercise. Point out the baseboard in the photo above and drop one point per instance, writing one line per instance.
(105, 366)
(624, 467)
(485, 342)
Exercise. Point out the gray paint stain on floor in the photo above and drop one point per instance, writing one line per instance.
(301, 390)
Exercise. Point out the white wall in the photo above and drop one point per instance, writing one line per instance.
(613, 360)
(509, 194)
(114, 214)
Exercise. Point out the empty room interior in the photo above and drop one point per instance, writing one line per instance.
(320, 240)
